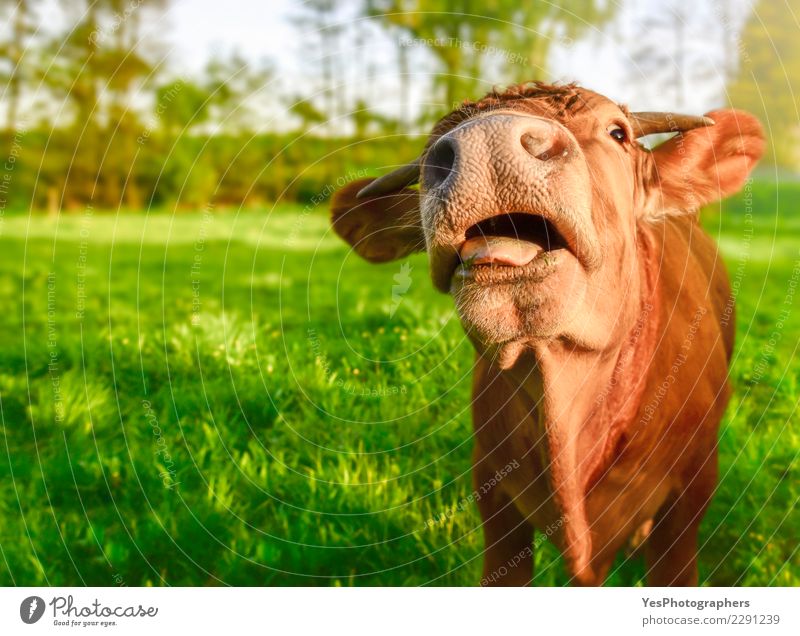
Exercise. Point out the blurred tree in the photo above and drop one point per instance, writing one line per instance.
(184, 105)
(308, 114)
(320, 21)
(208, 126)
(536, 27)
(15, 72)
(768, 82)
(682, 49)
(508, 38)
(124, 71)
(404, 77)
(99, 69)
(70, 69)
(181, 169)
(237, 92)
(448, 28)
(364, 119)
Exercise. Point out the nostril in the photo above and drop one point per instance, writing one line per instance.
(439, 162)
(544, 147)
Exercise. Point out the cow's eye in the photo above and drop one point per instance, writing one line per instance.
(617, 133)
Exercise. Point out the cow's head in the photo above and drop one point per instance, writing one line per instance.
(530, 201)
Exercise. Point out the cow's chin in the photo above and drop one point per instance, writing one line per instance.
(502, 309)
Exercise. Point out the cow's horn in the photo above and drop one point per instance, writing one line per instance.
(395, 180)
(650, 123)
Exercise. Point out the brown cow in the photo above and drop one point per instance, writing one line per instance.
(599, 310)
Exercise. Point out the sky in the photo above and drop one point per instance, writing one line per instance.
(257, 28)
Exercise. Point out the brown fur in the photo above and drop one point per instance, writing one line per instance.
(605, 382)
(634, 466)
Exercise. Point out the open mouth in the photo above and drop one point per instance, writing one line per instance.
(509, 240)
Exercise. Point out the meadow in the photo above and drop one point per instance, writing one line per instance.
(225, 397)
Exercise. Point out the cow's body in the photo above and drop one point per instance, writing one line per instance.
(599, 309)
(647, 451)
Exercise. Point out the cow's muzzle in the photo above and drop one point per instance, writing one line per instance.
(502, 190)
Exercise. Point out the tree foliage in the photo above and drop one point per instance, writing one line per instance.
(768, 82)
(110, 123)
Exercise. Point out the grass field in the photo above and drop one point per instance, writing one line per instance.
(221, 398)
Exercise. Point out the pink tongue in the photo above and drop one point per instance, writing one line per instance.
(500, 250)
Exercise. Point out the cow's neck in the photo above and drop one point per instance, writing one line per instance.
(582, 400)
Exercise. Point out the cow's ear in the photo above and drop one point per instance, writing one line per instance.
(380, 228)
(703, 165)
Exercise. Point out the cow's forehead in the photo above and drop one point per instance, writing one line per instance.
(559, 102)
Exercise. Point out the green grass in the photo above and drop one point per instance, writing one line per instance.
(227, 398)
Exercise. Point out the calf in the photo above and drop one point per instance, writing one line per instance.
(600, 312)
